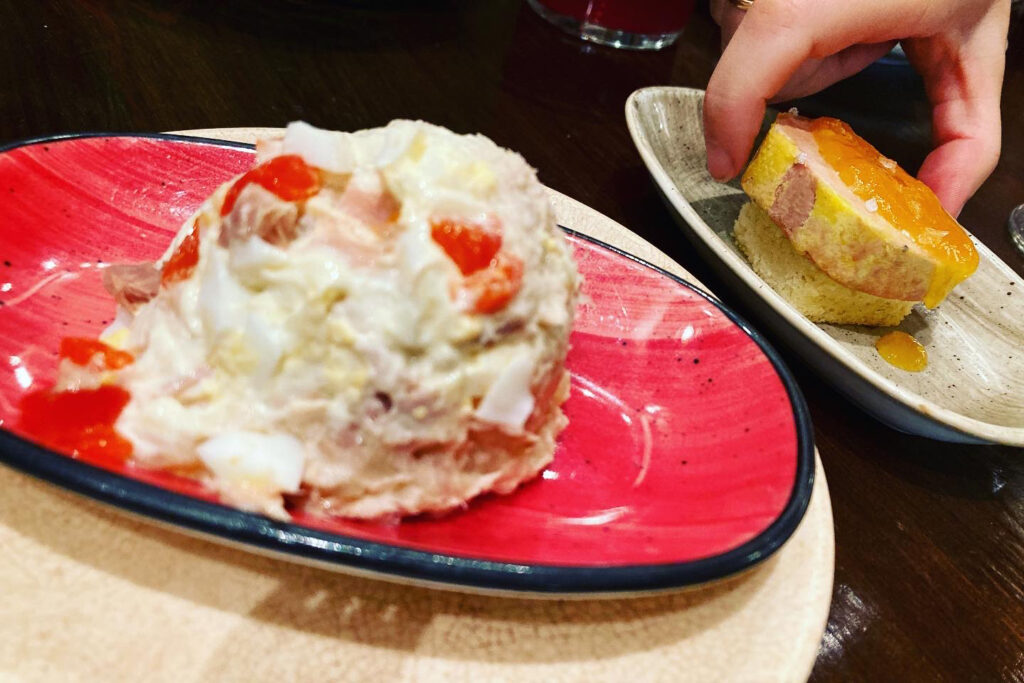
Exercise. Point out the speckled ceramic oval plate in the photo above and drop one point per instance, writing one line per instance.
(688, 457)
(973, 388)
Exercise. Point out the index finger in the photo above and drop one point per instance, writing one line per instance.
(771, 43)
(965, 109)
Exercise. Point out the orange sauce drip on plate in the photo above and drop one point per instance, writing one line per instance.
(902, 351)
(904, 201)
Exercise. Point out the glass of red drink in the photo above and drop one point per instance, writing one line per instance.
(634, 24)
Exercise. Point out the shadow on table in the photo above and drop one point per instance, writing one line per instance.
(946, 469)
(399, 619)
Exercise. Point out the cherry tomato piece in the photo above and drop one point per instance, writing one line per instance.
(471, 247)
(496, 285)
(287, 176)
(184, 259)
(81, 351)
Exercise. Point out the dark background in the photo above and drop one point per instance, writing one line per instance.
(929, 577)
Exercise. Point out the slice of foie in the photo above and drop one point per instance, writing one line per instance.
(853, 239)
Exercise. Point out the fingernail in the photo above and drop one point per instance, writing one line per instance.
(719, 163)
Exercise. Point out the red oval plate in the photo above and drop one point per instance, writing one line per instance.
(688, 455)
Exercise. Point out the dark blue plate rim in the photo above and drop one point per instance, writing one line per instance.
(296, 542)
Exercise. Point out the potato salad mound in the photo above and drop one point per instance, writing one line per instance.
(365, 324)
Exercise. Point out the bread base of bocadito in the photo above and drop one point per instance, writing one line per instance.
(796, 279)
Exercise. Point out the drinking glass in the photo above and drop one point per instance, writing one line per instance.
(631, 24)
(1016, 226)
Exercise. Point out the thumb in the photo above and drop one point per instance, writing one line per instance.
(956, 169)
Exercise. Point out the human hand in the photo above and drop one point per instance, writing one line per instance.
(783, 49)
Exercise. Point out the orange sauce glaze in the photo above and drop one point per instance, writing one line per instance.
(904, 201)
(902, 351)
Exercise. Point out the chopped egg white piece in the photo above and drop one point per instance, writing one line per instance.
(271, 461)
(509, 400)
(324, 149)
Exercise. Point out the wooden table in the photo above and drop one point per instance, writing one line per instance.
(930, 536)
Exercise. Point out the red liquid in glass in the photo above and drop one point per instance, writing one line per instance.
(649, 17)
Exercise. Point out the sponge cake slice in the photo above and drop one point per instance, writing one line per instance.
(804, 285)
(861, 219)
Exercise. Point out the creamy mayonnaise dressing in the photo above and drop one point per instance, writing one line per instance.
(329, 348)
